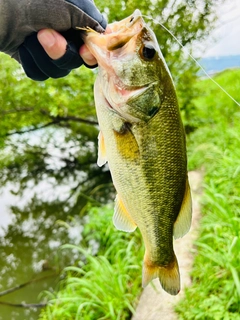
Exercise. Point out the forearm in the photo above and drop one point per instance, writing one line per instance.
(17, 17)
(9, 23)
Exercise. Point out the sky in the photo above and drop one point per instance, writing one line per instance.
(227, 34)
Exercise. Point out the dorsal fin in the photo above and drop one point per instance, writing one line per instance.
(183, 222)
(102, 157)
(122, 219)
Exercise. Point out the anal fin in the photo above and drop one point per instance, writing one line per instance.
(183, 221)
(122, 219)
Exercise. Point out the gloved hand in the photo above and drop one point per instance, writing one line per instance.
(29, 16)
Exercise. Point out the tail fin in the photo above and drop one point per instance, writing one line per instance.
(169, 276)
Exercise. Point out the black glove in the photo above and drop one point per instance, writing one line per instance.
(27, 17)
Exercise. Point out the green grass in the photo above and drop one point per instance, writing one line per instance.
(102, 286)
(215, 147)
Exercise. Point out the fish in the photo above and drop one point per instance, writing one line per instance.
(143, 141)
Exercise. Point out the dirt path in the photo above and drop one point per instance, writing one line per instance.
(155, 303)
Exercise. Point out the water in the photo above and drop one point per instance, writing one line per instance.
(29, 243)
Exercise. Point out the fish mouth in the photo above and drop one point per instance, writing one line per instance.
(107, 48)
(117, 53)
(123, 31)
(104, 45)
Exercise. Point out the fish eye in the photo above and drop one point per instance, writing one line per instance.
(147, 52)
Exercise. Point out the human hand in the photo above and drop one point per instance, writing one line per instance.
(58, 20)
(55, 46)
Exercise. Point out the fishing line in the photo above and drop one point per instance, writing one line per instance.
(191, 56)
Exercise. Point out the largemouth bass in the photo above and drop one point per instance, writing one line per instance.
(143, 140)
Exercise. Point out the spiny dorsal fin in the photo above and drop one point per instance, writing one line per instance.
(183, 222)
(102, 157)
(121, 219)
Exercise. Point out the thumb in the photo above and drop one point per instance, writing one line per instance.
(52, 42)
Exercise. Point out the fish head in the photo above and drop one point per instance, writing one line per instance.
(132, 69)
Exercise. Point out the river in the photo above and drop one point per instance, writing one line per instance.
(30, 239)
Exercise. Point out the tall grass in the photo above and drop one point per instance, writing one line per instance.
(101, 286)
(215, 147)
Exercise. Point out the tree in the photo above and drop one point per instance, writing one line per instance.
(49, 130)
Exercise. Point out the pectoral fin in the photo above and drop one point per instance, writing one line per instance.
(102, 157)
(183, 222)
(121, 219)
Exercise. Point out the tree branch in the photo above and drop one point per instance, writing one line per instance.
(55, 120)
(70, 118)
(24, 305)
(31, 129)
(20, 286)
(24, 109)
(77, 119)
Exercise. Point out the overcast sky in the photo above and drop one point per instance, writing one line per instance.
(227, 34)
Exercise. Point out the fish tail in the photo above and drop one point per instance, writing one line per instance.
(168, 276)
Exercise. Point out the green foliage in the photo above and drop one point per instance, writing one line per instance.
(215, 293)
(49, 131)
(102, 286)
(29, 105)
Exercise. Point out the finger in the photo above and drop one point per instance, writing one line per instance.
(52, 42)
(87, 57)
